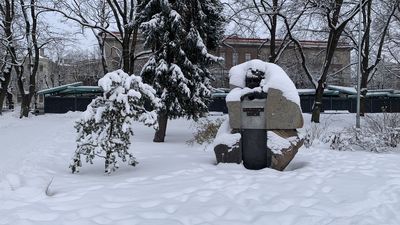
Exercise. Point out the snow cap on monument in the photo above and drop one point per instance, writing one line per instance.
(275, 77)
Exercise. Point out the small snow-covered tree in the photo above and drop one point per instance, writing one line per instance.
(105, 128)
(180, 33)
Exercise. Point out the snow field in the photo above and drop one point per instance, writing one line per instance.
(178, 184)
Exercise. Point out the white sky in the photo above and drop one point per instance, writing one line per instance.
(84, 41)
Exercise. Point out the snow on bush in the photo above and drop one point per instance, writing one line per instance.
(380, 133)
(205, 130)
(317, 132)
(105, 128)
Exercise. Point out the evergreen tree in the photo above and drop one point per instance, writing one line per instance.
(180, 33)
(105, 128)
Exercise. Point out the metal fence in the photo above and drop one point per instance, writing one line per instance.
(373, 104)
(57, 104)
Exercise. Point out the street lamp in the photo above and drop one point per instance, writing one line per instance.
(359, 67)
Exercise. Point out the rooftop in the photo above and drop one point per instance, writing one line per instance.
(259, 41)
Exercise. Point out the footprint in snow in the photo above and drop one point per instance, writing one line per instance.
(136, 179)
(171, 208)
(208, 179)
(14, 181)
(95, 187)
(121, 185)
(219, 211)
(319, 181)
(149, 204)
(326, 189)
(308, 202)
(162, 177)
(112, 205)
(205, 193)
(309, 193)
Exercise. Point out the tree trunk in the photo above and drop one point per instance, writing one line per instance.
(365, 45)
(368, 70)
(7, 20)
(100, 41)
(4, 88)
(317, 103)
(2, 97)
(159, 136)
(333, 40)
(126, 59)
(363, 94)
(132, 51)
(25, 105)
(274, 25)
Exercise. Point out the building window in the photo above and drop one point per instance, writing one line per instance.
(235, 59)
(247, 57)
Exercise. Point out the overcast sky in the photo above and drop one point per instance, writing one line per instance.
(84, 41)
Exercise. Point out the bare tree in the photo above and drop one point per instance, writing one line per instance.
(94, 15)
(337, 13)
(111, 18)
(7, 16)
(30, 17)
(275, 18)
(368, 68)
(376, 21)
(280, 21)
(79, 65)
(23, 38)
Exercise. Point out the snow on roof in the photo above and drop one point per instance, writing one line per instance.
(238, 40)
(327, 92)
(274, 75)
(346, 90)
(58, 89)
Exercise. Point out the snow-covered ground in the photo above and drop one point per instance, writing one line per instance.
(178, 184)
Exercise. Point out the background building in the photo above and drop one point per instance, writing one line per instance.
(237, 50)
(387, 76)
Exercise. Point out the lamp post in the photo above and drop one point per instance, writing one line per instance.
(359, 67)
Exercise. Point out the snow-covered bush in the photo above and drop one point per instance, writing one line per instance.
(316, 132)
(105, 128)
(379, 133)
(205, 130)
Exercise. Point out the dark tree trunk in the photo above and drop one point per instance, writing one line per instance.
(159, 136)
(2, 97)
(126, 51)
(132, 51)
(125, 57)
(100, 41)
(363, 95)
(365, 58)
(7, 8)
(317, 108)
(25, 105)
(319, 93)
(274, 25)
(4, 88)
